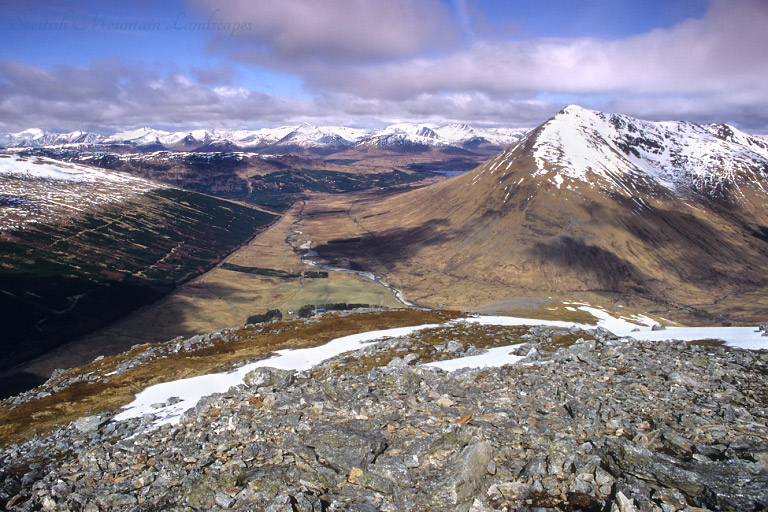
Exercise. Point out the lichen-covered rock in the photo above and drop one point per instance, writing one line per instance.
(348, 445)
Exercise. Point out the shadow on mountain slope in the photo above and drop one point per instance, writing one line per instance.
(387, 247)
(150, 324)
(612, 272)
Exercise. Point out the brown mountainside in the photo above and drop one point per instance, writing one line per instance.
(587, 202)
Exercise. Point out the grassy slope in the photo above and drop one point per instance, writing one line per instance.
(62, 280)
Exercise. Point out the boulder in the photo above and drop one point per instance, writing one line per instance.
(271, 378)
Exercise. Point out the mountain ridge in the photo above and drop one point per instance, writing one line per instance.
(303, 136)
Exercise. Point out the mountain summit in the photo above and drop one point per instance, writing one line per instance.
(613, 150)
(588, 202)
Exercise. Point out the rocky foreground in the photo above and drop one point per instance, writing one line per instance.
(587, 421)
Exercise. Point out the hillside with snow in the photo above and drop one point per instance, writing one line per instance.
(36, 189)
(613, 150)
(83, 246)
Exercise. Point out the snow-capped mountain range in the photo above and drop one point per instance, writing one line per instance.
(306, 136)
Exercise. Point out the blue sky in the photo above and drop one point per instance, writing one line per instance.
(106, 66)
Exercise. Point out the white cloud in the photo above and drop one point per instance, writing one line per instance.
(334, 30)
(725, 51)
(122, 95)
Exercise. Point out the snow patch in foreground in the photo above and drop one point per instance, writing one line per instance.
(604, 319)
(169, 400)
(497, 356)
(742, 337)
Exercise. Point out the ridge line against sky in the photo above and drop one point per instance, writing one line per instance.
(106, 66)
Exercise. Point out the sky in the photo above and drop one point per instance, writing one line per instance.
(106, 66)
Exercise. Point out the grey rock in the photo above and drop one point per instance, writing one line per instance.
(672, 498)
(411, 358)
(224, 500)
(362, 507)
(623, 503)
(467, 477)
(352, 444)
(714, 485)
(282, 503)
(397, 362)
(536, 468)
(271, 378)
(681, 378)
(394, 469)
(454, 346)
(116, 501)
(10, 485)
(88, 423)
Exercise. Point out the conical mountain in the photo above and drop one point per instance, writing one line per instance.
(588, 201)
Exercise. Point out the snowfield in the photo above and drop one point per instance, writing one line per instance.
(168, 401)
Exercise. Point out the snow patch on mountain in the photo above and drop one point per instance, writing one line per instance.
(619, 149)
(307, 135)
(140, 136)
(35, 137)
(36, 189)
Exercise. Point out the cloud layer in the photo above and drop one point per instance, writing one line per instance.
(365, 62)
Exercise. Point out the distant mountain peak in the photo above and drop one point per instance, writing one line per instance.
(577, 110)
(32, 133)
(608, 150)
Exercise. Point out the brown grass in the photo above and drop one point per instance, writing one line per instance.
(707, 343)
(83, 399)
(423, 344)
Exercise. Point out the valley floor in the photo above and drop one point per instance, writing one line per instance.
(225, 298)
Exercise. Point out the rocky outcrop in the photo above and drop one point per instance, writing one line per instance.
(596, 424)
